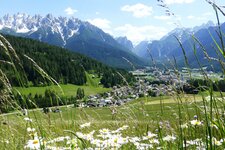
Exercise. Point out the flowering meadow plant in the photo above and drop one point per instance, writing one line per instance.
(104, 139)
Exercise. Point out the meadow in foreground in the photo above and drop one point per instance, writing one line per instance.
(136, 125)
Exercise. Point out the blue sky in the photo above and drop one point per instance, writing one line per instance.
(137, 19)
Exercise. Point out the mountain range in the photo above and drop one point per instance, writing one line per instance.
(73, 34)
(87, 39)
(125, 42)
(161, 48)
(168, 47)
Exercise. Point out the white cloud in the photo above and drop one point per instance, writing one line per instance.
(70, 11)
(103, 24)
(99, 22)
(178, 1)
(190, 17)
(202, 17)
(207, 14)
(139, 10)
(162, 17)
(140, 33)
(170, 23)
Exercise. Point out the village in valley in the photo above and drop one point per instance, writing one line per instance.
(150, 82)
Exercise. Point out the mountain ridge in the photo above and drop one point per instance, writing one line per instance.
(168, 47)
(164, 46)
(125, 42)
(70, 33)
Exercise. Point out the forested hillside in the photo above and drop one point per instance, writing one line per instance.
(62, 65)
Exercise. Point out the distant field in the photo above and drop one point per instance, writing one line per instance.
(141, 111)
(91, 87)
(135, 110)
(68, 89)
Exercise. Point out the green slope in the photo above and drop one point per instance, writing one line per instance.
(68, 89)
(62, 65)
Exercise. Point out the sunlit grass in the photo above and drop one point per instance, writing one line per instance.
(69, 89)
(140, 117)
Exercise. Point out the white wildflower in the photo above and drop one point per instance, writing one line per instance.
(169, 138)
(97, 142)
(117, 141)
(143, 146)
(149, 136)
(80, 135)
(154, 141)
(34, 144)
(85, 125)
(28, 119)
(134, 139)
(196, 123)
(73, 142)
(196, 142)
(215, 142)
(30, 129)
(120, 129)
(184, 126)
(89, 136)
(104, 131)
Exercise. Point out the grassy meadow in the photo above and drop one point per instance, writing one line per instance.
(151, 120)
(68, 89)
(91, 87)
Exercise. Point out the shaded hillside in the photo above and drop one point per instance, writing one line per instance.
(63, 65)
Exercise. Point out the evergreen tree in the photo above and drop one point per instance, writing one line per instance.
(80, 93)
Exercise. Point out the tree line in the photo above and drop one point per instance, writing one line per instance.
(61, 64)
(195, 85)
